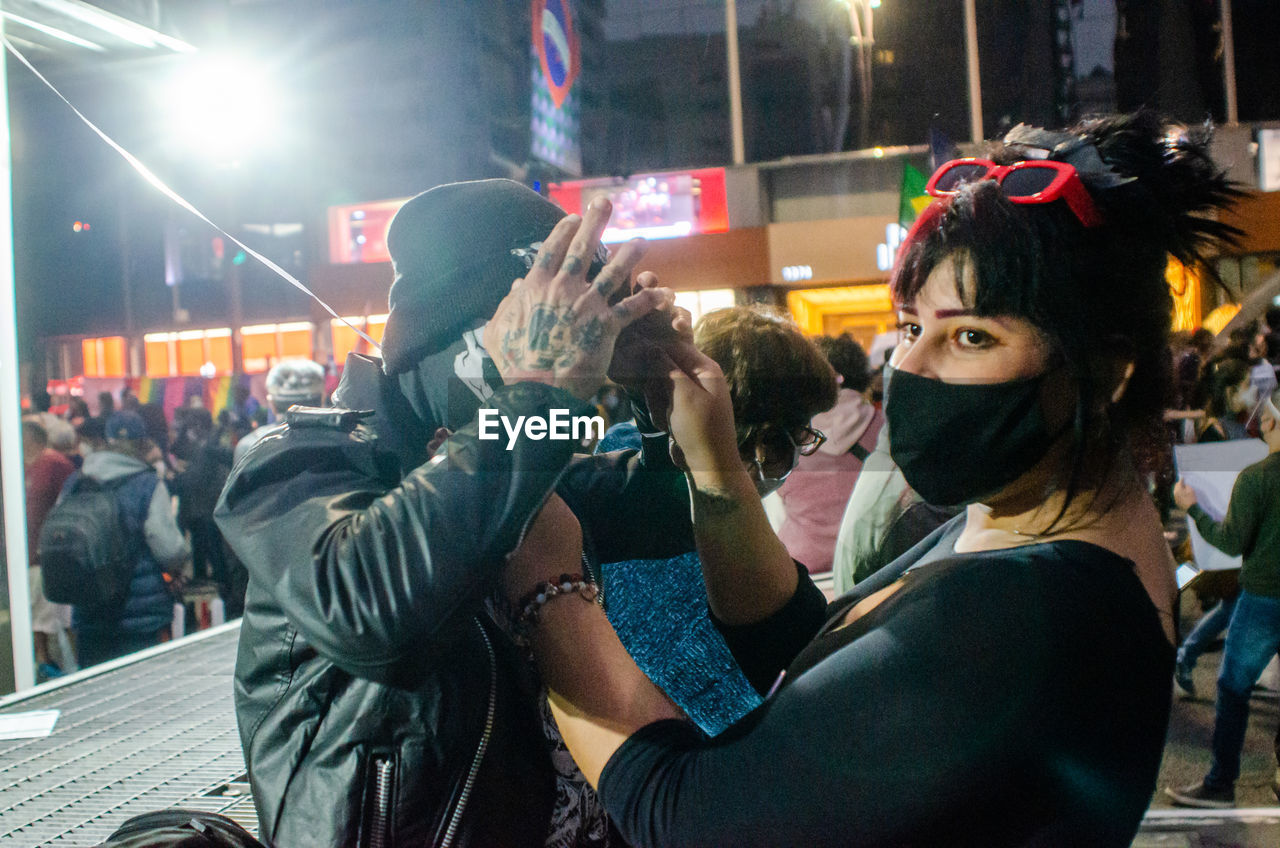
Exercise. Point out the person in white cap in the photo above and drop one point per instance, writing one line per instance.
(292, 381)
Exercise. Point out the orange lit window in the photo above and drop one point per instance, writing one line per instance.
(89, 353)
(104, 357)
(190, 353)
(185, 353)
(345, 339)
(218, 351)
(263, 345)
(295, 341)
(257, 348)
(161, 359)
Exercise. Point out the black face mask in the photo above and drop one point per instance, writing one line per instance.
(958, 443)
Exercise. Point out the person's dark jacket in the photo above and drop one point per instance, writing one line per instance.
(200, 485)
(152, 538)
(378, 702)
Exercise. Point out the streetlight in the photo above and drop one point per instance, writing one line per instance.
(218, 110)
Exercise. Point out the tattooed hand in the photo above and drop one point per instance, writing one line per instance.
(556, 327)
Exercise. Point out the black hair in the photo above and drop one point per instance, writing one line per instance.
(848, 358)
(93, 428)
(1272, 317)
(1223, 375)
(1202, 339)
(41, 400)
(1097, 293)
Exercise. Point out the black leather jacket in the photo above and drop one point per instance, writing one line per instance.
(378, 704)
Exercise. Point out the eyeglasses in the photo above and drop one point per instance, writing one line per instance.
(778, 449)
(1029, 181)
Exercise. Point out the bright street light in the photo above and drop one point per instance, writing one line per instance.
(221, 109)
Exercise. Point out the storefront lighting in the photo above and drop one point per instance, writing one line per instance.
(797, 273)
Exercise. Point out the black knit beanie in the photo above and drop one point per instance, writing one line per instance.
(452, 251)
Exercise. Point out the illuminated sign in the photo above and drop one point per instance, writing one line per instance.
(1269, 159)
(796, 273)
(887, 253)
(557, 46)
(358, 231)
(653, 206)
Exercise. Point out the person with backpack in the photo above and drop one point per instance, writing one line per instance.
(152, 542)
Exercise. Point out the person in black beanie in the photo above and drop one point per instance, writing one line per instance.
(380, 694)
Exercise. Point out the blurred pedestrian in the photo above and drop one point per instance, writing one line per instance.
(289, 382)
(46, 471)
(1250, 528)
(816, 494)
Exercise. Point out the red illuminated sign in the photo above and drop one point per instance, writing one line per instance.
(654, 206)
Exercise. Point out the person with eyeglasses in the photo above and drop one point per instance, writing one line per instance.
(1006, 682)
(777, 380)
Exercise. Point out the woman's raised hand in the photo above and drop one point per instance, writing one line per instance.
(701, 411)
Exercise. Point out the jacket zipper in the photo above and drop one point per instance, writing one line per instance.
(454, 821)
(380, 823)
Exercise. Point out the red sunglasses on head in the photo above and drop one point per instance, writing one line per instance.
(1030, 181)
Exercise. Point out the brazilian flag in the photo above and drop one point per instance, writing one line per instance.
(911, 200)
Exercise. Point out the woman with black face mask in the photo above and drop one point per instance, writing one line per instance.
(1006, 682)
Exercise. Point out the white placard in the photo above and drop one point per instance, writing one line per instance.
(1211, 470)
(28, 725)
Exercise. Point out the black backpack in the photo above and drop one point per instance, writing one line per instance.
(178, 828)
(85, 556)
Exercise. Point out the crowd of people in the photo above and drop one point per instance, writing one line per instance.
(166, 474)
(452, 640)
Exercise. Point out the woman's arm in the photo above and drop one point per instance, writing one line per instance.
(598, 695)
(908, 726)
(748, 572)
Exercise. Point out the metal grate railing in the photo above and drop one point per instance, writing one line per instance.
(153, 733)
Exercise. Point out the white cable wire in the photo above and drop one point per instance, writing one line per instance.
(159, 184)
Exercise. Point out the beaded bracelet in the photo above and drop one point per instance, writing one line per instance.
(532, 603)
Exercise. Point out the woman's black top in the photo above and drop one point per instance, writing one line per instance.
(1003, 698)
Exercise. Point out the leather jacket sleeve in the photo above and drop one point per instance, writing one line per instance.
(377, 573)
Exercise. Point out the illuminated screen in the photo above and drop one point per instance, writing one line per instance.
(358, 231)
(654, 206)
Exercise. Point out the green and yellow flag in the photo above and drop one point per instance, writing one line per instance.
(912, 200)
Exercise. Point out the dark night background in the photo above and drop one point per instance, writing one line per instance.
(384, 98)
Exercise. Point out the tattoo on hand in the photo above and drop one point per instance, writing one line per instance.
(553, 337)
(573, 264)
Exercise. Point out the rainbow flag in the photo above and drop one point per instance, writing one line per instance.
(149, 389)
(217, 394)
(175, 395)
